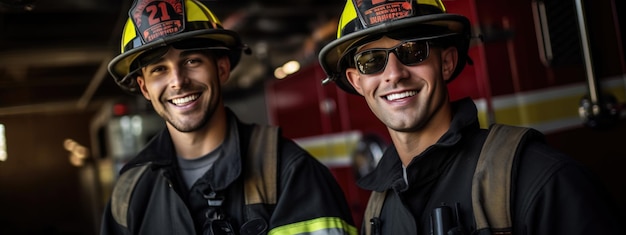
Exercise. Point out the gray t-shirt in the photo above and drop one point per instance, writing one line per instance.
(193, 169)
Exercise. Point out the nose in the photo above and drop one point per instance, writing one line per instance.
(394, 70)
(179, 79)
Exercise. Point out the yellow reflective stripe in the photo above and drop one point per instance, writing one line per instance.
(548, 110)
(331, 224)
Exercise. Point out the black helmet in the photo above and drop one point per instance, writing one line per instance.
(365, 20)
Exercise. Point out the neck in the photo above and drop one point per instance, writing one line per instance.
(191, 145)
(411, 144)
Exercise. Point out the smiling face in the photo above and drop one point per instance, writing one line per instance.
(407, 98)
(184, 87)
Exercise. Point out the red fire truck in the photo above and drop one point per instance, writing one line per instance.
(557, 66)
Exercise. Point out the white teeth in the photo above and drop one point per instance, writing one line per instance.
(405, 94)
(186, 99)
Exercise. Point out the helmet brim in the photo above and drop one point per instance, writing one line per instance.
(332, 54)
(119, 67)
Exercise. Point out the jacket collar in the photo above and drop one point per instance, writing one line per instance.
(389, 173)
(160, 153)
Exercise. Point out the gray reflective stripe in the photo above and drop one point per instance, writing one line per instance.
(328, 231)
(121, 194)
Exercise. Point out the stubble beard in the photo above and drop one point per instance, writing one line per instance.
(186, 126)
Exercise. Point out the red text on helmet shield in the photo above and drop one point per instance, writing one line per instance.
(155, 19)
(375, 12)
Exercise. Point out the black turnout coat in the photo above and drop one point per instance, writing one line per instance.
(551, 193)
(309, 198)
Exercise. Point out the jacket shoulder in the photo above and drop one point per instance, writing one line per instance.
(120, 198)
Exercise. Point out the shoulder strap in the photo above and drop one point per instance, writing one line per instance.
(260, 178)
(260, 183)
(492, 178)
(122, 191)
(372, 211)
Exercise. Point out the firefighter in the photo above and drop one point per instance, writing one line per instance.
(399, 55)
(190, 177)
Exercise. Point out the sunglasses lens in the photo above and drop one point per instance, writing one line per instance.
(411, 53)
(371, 61)
(375, 60)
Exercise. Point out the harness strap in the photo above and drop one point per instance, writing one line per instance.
(122, 191)
(372, 211)
(260, 183)
(492, 179)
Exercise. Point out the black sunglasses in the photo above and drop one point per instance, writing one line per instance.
(410, 52)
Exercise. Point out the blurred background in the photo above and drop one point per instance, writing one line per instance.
(66, 128)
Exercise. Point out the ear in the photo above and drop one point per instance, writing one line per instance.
(223, 68)
(449, 59)
(354, 77)
(141, 83)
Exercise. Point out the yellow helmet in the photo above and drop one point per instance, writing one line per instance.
(365, 20)
(158, 23)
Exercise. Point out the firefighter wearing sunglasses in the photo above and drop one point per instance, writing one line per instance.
(207, 172)
(400, 56)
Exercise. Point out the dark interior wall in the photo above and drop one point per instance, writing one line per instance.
(603, 152)
(40, 191)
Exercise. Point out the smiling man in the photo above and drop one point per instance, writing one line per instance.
(400, 55)
(207, 172)
(411, 101)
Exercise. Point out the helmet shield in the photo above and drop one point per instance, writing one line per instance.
(158, 19)
(373, 13)
(364, 21)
